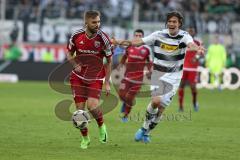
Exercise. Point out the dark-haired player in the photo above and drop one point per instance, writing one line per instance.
(169, 52)
(134, 59)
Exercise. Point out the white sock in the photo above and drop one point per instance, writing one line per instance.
(153, 112)
(157, 119)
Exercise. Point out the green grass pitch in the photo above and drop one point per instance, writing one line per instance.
(29, 128)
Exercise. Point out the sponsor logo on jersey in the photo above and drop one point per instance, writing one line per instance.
(136, 56)
(81, 42)
(97, 44)
(168, 48)
(143, 51)
(88, 51)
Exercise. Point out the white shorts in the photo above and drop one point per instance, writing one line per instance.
(165, 85)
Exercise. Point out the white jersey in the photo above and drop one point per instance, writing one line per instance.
(169, 51)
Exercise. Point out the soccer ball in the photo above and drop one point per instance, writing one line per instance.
(80, 119)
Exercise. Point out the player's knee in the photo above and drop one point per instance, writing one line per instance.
(156, 102)
(92, 104)
(166, 100)
(80, 106)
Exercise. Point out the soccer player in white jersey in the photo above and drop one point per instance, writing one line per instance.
(169, 52)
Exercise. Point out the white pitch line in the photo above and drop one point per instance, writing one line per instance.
(4, 65)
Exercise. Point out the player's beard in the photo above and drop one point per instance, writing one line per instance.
(93, 31)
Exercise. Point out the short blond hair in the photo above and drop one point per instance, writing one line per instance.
(91, 14)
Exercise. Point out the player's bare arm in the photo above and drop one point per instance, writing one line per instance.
(108, 66)
(122, 62)
(70, 58)
(194, 47)
(149, 67)
(134, 42)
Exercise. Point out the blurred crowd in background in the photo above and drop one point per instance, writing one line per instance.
(123, 13)
(38, 30)
(116, 10)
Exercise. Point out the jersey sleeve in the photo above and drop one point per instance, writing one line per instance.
(187, 39)
(108, 48)
(150, 39)
(71, 46)
(149, 55)
(126, 51)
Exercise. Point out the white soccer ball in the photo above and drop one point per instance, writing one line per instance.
(80, 119)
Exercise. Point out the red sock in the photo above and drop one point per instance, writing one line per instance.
(194, 97)
(180, 97)
(127, 110)
(98, 116)
(128, 104)
(84, 131)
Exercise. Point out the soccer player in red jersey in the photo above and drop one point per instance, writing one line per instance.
(134, 59)
(190, 74)
(86, 49)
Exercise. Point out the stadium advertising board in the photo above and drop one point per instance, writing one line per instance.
(35, 52)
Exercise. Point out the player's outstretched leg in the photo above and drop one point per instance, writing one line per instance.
(152, 125)
(143, 133)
